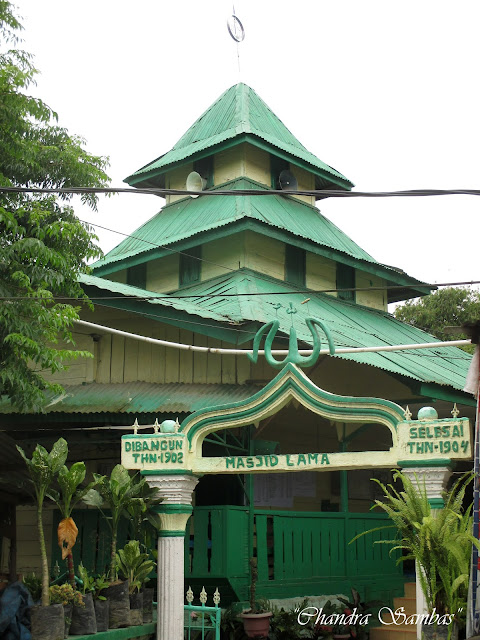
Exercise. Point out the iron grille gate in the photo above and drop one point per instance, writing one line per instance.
(202, 622)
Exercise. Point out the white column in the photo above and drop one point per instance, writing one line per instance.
(435, 480)
(176, 508)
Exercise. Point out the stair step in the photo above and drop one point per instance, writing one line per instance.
(409, 605)
(401, 632)
(410, 590)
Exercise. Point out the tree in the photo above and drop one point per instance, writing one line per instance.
(451, 306)
(43, 245)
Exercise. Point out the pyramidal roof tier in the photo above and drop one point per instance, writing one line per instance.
(238, 115)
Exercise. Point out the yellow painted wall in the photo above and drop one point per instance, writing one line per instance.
(79, 370)
(28, 547)
(162, 274)
(306, 182)
(375, 299)
(320, 273)
(120, 359)
(243, 160)
(176, 179)
(265, 255)
(222, 255)
(118, 276)
(257, 165)
(229, 164)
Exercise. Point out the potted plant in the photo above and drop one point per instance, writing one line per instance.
(116, 493)
(67, 596)
(135, 567)
(440, 543)
(47, 620)
(69, 481)
(84, 621)
(95, 586)
(357, 630)
(256, 620)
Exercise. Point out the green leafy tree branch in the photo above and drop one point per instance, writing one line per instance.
(43, 245)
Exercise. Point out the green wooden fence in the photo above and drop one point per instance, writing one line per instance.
(298, 553)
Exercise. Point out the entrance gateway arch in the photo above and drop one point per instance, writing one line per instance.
(171, 458)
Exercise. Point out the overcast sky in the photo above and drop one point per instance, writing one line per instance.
(385, 92)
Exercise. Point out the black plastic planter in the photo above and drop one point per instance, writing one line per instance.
(67, 613)
(147, 604)
(101, 614)
(83, 618)
(136, 609)
(47, 623)
(119, 605)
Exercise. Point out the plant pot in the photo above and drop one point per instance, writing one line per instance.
(101, 614)
(148, 604)
(256, 625)
(438, 631)
(136, 609)
(118, 605)
(47, 623)
(67, 614)
(83, 618)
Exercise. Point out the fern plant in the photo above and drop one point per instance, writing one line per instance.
(438, 540)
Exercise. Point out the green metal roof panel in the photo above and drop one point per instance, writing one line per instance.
(238, 111)
(190, 216)
(140, 397)
(351, 325)
(152, 298)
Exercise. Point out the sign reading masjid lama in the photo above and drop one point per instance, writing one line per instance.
(418, 440)
(173, 448)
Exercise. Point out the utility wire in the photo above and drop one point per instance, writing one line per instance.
(320, 193)
(172, 298)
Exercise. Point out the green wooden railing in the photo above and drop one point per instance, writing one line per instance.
(298, 553)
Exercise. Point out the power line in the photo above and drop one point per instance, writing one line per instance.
(172, 298)
(321, 193)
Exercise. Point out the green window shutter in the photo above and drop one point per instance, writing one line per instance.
(345, 280)
(137, 275)
(190, 265)
(295, 265)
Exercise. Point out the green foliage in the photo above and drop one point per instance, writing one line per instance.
(70, 492)
(447, 307)
(90, 584)
(43, 246)
(439, 541)
(42, 468)
(144, 521)
(118, 493)
(284, 623)
(357, 630)
(134, 565)
(34, 585)
(65, 594)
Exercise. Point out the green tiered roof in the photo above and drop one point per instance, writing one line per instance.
(283, 217)
(234, 310)
(238, 115)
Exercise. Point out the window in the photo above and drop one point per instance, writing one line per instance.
(205, 168)
(295, 265)
(137, 275)
(277, 165)
(190, 266)
(345, 280)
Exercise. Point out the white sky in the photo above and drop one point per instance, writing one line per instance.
(385, 92)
